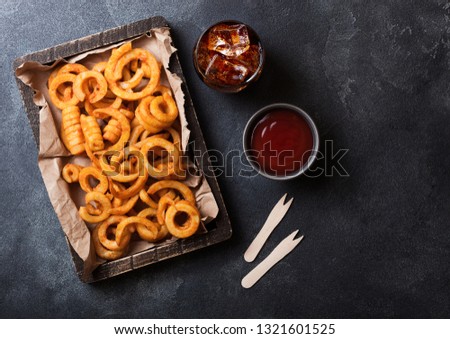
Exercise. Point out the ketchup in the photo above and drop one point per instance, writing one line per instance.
(282, 141)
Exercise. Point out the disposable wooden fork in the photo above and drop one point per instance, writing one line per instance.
(274, 218)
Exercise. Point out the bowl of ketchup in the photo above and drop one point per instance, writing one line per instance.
(281, 141)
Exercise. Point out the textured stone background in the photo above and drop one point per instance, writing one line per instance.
(375, 77)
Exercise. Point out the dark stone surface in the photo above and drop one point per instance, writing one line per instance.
(375, 77)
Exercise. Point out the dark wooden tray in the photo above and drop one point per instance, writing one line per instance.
(218, 230)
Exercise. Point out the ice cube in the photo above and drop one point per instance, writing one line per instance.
(230, 72)
(250, 58)
(229, 40)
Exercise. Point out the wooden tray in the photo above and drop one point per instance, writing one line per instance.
(218, 230)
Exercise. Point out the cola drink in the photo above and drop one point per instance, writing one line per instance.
(229, 56)
(229, 40)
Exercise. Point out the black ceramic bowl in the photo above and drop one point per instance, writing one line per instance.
(251, 126)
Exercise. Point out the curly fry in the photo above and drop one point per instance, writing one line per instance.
(114, 70)
(115, 102)
(55, 83)
(92, 157)
(129, 114)
(72, 69)
(147, 230)
(100, 67)
(124, 126)
(88, 172)
(174, 171)
(93, 210)
(98, 198)
(144, 136)
(117, 171)
(133, 81)
(145, 198)
(130, 191)
(113, 245)
(161, 90)
(125, 208)
(120, 57)
(147, 59)
(151, 212)
(163, 204)
(176, 139)
(92, 133)
(164, 108)
(190, 226)
(152, 142)
(71, 132)
(130, 166)
(71, 173)
(103, 252)
(64, 90)
(111, 64)
(80, 87)
(176, 185)
(146, 119)
(112, 131)
(135, 134)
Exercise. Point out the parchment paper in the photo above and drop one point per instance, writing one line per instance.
(53, 155)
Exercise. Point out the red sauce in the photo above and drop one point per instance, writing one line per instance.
(283, 142)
